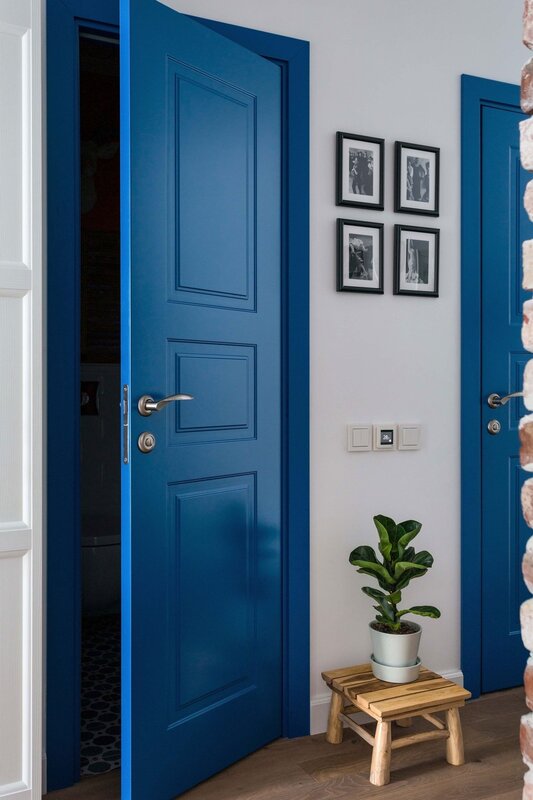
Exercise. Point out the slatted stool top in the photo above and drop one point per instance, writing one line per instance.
(388, 701)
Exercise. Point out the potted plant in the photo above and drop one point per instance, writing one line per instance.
(395, 642)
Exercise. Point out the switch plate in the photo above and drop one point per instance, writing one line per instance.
(385, 436)
(409, 437)
(359, 438)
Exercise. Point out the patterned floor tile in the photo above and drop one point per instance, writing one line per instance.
(100, 695)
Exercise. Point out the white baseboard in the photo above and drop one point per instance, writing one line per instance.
(320, 705)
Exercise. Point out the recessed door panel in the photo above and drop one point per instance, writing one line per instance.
(213, 659)
(212, 172)
(222, 378)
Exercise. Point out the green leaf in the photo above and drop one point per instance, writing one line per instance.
(422, 611)
(388, 524)
(386, 529)
(395, 597)
(424, 558)
(408, 576)
(386, 609)
(403, 566)
(375, 594)
(363, 553)
(408, 530)
(365, 558)
(376, 570)
(408, 554)
(384, 585)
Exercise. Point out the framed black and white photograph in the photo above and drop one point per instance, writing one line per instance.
(416, 267)
(359, 256)
(360, 165)
(417, 179)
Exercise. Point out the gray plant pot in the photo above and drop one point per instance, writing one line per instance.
(396, 649)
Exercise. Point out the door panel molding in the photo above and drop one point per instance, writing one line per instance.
(476, 93)
(21, 407)
(233, 284)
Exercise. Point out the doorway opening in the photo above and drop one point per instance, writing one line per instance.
(99, 402)
(69, 29)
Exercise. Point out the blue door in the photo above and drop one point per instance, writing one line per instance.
(504, 534)
(201, 316)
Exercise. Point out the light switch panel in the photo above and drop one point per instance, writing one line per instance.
(359, 438)
(385, 436)
(409, 437)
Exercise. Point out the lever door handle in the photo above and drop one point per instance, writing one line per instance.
(495, 401)
(147, 404)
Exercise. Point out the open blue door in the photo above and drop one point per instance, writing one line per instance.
(201, 315)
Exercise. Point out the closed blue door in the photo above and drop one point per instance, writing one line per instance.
(201, 315)
(504, 534)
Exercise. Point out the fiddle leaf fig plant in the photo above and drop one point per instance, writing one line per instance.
(400, 564)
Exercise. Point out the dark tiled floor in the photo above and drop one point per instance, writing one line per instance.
(100, 695)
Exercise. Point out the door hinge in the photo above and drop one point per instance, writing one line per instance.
(125, 424)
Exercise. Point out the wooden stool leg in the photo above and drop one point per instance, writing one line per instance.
(454, 744)
(334, 732)
(380, 769)
(404, 723)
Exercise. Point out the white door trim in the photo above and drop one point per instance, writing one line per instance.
(21, 398)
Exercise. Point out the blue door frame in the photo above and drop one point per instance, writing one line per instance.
(64, 20)
(476, 93)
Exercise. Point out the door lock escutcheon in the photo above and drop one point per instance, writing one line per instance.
(494, 426)
(146, 442)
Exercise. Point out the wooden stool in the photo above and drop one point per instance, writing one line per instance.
(356, 689)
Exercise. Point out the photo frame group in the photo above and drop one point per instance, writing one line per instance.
(360, 184)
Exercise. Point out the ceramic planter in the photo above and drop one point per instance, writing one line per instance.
(396, 651)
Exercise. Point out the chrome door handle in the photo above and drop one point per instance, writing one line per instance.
(147, 404)
(495, 401)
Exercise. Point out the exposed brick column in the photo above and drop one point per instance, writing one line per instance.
(526, 423)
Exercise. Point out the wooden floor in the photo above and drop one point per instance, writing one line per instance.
(312, 769)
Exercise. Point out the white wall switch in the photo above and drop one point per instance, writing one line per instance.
(359, 438)
(409, 437)
(385, 436)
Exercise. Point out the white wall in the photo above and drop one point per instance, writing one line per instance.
(389, 69)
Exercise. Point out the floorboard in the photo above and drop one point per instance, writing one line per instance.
(311, 769)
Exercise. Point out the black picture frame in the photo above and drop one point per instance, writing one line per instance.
(346, 198)
(399, 264)
(345, 283)
(413, 206)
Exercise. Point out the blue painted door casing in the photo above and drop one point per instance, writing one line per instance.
(201, 582)
(504, 533)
